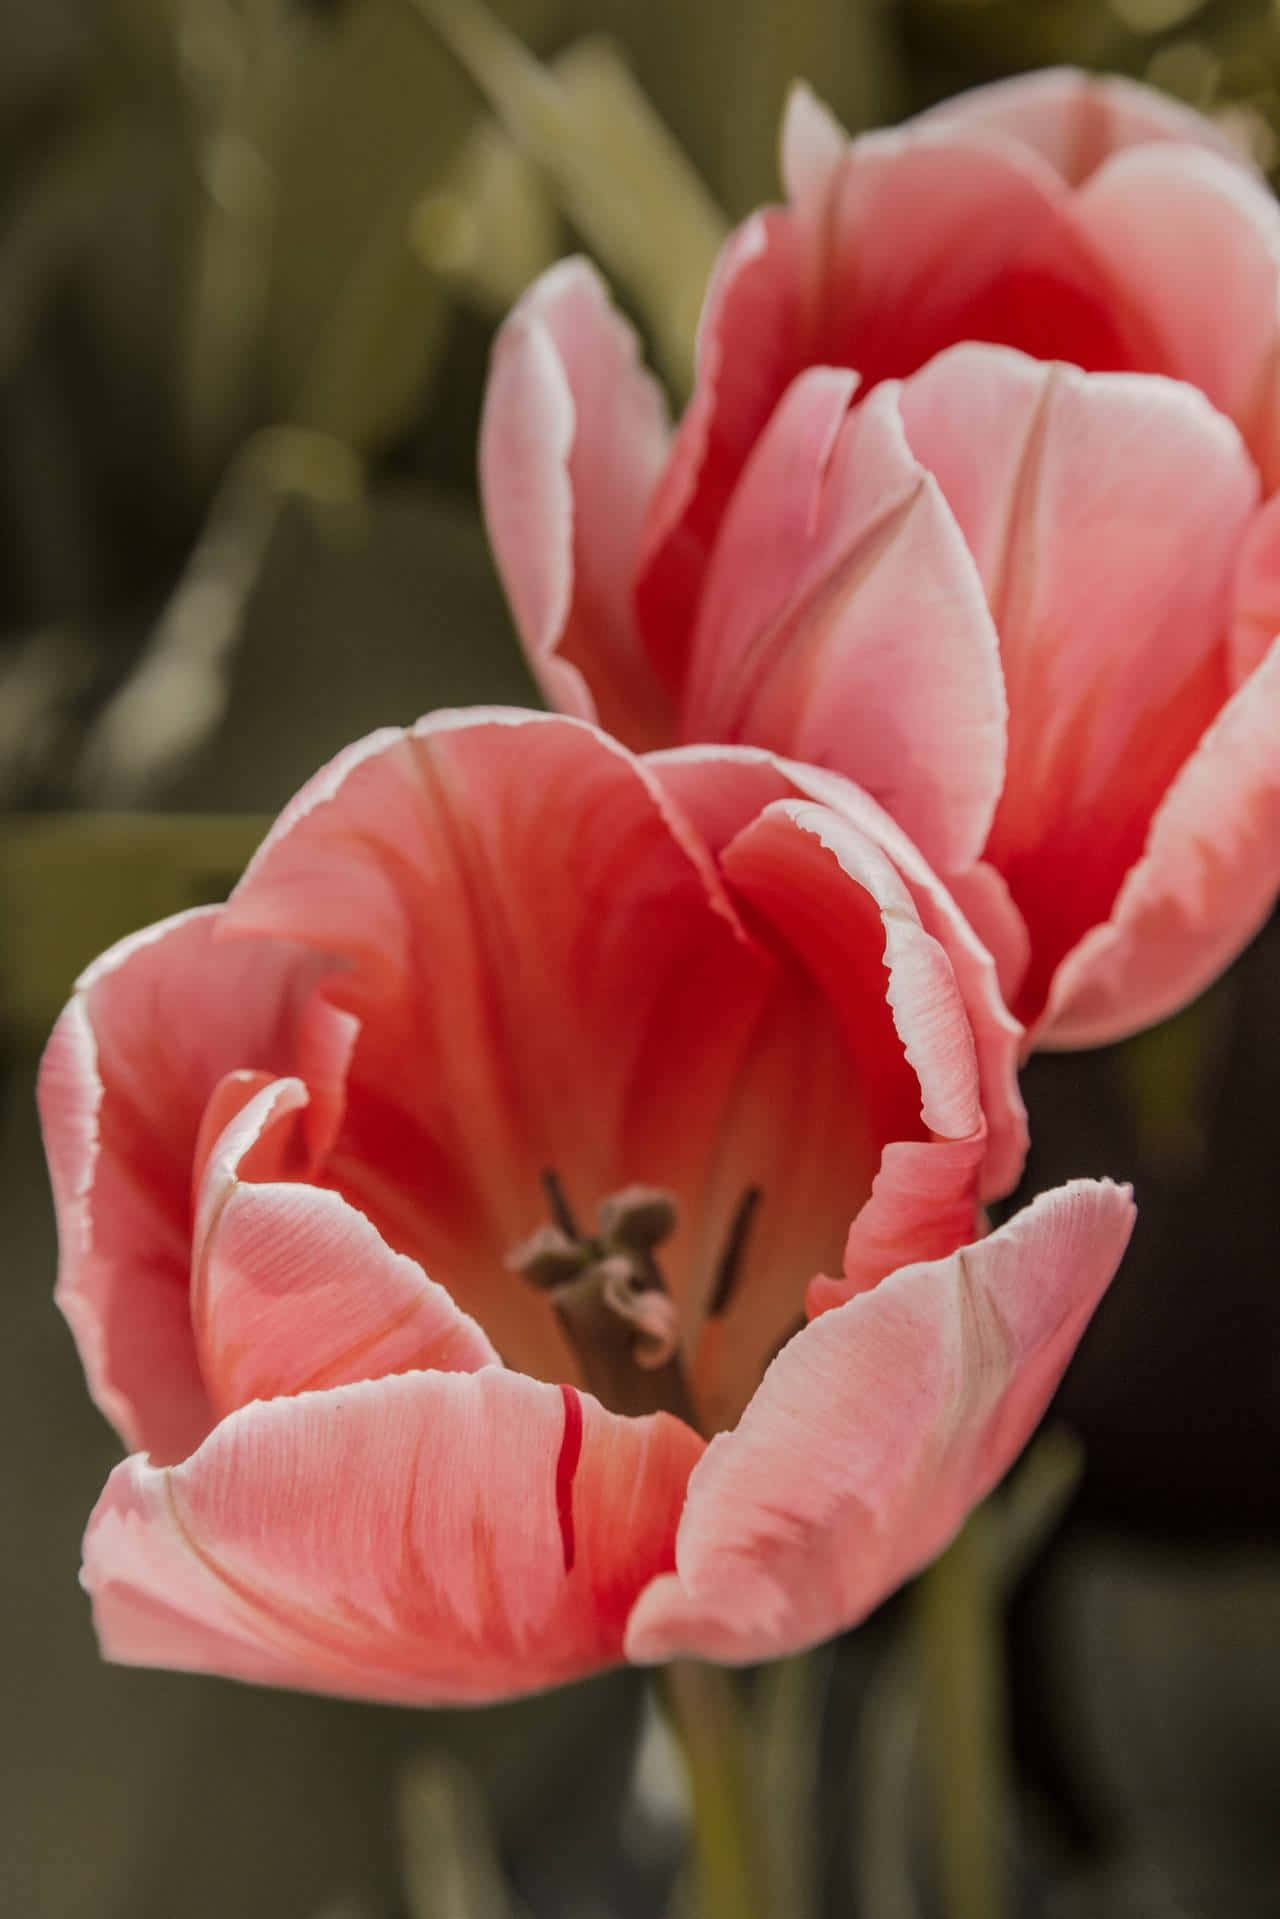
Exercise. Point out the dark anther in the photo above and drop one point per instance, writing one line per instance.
(731, 1258)
(549, 1257)
(557, 1204)
(637, 1219)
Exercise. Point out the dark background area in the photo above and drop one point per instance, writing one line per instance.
(251, 256)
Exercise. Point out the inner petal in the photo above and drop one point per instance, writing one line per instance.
(1105, 514)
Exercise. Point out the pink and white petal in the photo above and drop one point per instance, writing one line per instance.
(526, 917)
(1256, 613)
(1206, 881)
(812, 145)
(844, 622)
(126, 1305)
(923, 1205)
(1076, 120)
(752, 339)
(1105, 513)
(228, 1100)
(836, 899)
(721, 789)
(293, 1289)
(969, 943)
(893, 289)
(1194, 241)
(429, 1538)
(300, 1292)
(572, 441)
(152, 1029)
(767, 533)
(874, 1433)
(987, 905)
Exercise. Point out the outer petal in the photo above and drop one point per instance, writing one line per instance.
(721, 789)
(573, 438)
(987, 905)
(293, 1289)
(1076, 120)
(874, 1433)
(863, 271)
(844, 622)
(893, 287)
(752, 339)
(1256, 613)
(154, 1026)
(1206, 881)
(1194, 241)
(1105, 513)
(428, 1538)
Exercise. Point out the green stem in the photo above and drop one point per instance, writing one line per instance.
(958, 1609)
(789, 1703)
(711, 1723)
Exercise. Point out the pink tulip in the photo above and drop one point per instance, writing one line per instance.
(410, 1439)
(974, 502)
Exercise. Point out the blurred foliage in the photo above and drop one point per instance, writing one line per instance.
(223, 218)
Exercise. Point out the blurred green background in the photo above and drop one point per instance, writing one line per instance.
(252, 253)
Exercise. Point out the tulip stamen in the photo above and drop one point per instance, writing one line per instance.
(610, 1297)
(729, 1270)
(557, 1205)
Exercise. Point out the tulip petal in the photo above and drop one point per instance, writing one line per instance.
(792, 864)
(843, 620)
(987, 906)
(721, 789)
(1256, 613)
(153, 1028)
(573, 437)
(429, 1538)
(751, 342)
(1206, 881)
(903, 1045)
(1105, 513)
(1076, 120)
(1194, 241)
(875, 1431)
(294, 1290)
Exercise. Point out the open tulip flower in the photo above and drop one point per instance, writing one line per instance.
(974, 502)
(535, 1223)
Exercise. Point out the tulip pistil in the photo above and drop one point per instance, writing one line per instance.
(610, 1297)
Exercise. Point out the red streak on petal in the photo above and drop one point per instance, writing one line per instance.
(566, 1470)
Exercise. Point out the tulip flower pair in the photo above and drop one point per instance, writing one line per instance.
(538, 1220)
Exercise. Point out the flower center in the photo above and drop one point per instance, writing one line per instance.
(611, 1299)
